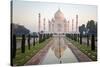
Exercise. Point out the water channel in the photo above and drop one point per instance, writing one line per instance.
(59, 52)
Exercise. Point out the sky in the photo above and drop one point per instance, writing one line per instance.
(26, 13)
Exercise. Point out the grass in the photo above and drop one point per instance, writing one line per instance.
(85, 49)
(22, 58)
(18, 38)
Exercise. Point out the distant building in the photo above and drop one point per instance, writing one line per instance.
(58, 23)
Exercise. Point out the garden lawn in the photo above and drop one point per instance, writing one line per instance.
(85, 49)
(22, 58)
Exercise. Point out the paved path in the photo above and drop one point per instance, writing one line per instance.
(58, 50)
(39, 56)
(79, 55)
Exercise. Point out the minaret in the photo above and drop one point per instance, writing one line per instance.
(76, 23)
(72, 25)
(39, 16)
(49, 25)
(65, 26)
(53, 27)
(68, 25)
(44, 24)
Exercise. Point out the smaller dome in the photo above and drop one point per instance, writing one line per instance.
(65, 20)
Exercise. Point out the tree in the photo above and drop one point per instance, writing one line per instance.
(82, 29)
(19, 29)
(91, 27)
(96, 28)
(23, 44)
(28, 40)
(93, 42)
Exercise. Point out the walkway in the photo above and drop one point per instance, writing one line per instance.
(79, 55)
(58, 50)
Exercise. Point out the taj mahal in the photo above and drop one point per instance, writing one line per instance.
(58, 24)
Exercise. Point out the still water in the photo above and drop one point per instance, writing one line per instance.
(59, 52)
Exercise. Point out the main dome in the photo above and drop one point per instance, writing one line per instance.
(59, 15)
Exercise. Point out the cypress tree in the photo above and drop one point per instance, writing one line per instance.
(33, 40)
(87, 40)
(28, 41)
(40, 38)
(80, 38)
(93, 42)
(23, 44)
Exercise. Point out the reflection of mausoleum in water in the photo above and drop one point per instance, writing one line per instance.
(58, 48)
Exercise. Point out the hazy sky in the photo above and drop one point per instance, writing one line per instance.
(26, 13)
